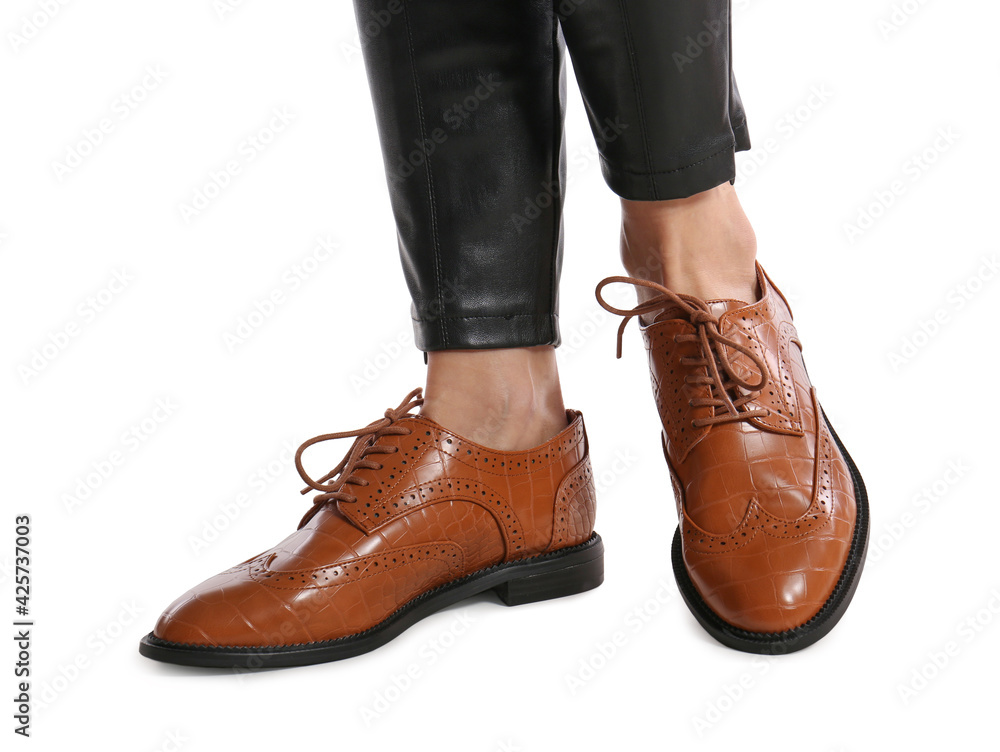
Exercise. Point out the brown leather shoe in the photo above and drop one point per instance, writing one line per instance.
(414, 518)
(773, 512)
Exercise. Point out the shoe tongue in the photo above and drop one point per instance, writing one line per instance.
(717, 307)
(720, 307)
(667, 314)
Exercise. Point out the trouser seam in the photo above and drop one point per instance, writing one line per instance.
(638, 92)
(555, 174)
(435, 235)
(729, 67)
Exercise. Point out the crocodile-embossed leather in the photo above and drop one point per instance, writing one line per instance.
(764, 496)
(433, 508)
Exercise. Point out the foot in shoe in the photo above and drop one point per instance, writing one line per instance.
(773, 517)
(413, 519)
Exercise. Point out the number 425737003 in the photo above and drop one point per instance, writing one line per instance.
(22, 562)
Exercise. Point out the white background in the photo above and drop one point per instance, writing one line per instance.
(921, 425)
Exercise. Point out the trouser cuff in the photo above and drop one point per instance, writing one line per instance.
(486, 332)
(702, 174)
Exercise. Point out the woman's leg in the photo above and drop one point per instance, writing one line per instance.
(668, 119)
(660, 92)
(772, 511)
(469, 99)
(490, 486)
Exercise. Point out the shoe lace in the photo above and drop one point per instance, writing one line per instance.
(358, 456)
(729, 391)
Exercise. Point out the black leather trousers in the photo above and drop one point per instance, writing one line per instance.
(469, 99)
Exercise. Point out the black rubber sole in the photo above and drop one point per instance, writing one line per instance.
(560, 573)
(792, 640)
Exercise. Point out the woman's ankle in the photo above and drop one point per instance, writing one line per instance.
(507, 399)
(703, 245)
